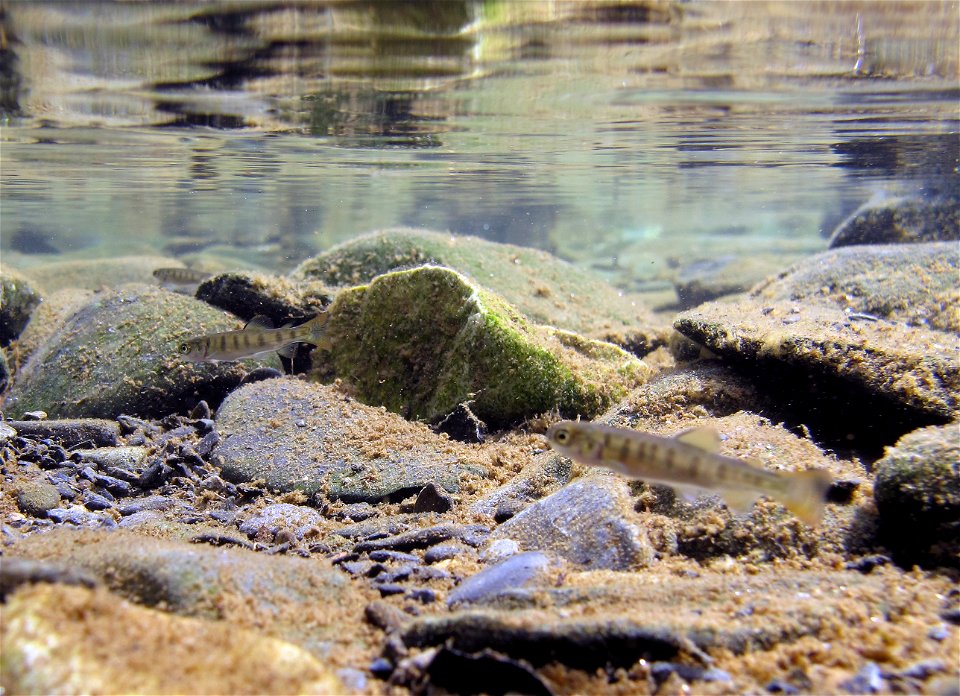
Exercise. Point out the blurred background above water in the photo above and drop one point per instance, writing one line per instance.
(640, 138)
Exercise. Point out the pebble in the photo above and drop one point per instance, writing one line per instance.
(445, 551)
(397, 556)
(138, 518)
(273, 519)
(80, 517)
(95, 501)
(869, 680)
(38, 497)
(432, 498)
(152, 502)
(114, 485)
(499, 550)
(511, 574)
(6, 432)
(73, 432)
(472, 534)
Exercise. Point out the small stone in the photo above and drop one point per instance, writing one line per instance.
(80, 517)
(499, 550)
(383, 556)
(35, 415)
(432, 499)
(36, 498)
(869, 680)
(6, 432)
(442, 552)
(95, 501)
(938, 633)
(423, 594)
(511, 574)
(273, 519)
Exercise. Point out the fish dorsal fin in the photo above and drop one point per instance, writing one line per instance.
(703, 438)
(259, 322)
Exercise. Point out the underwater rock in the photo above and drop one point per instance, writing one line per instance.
(423, 341)
(915, 284)
(587, 523)
(65, 639)
(917, 491)
(540, 477)
(4, 371)
(248, 294)
(900, 221)
(905, 365)
(310, 437)
(306, 598)
(37, 497)
(48, 318)
(508, 576)
(705, 280)
(296, 520)
(544, 288)
(118, 354)
(18, 299)
(95, 274)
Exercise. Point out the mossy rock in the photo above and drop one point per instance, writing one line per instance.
(917, 490)
(546, 289)
(18, 298)
(117, 354)
(423, 341)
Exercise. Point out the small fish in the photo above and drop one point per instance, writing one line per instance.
(180, 279)
(690, 461)
(258, 337)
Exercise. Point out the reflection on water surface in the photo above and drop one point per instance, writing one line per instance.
(637, 137)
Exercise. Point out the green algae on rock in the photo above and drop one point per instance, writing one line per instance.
(117, 354)
(900, 221)
(62, 639)
(423, 341)
(917, 491)
(310, 437)
(18, 299)
(247, 294)
(546, 289)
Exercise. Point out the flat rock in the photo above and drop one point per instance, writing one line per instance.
(18, 299)
(900, 221)
(544, 288)
(589, 522)
(906, 365)
(506, 577)
(917, 491)
(307, 599)
(421, 342)
(310, 437)
(914, 283)
(281, 517)
(63, 639)
(118, 354)
(97, 273)
(247, 294)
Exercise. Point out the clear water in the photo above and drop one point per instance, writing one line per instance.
(635, 137)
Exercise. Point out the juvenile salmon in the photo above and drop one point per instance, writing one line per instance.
(690, 460)
(257, 338)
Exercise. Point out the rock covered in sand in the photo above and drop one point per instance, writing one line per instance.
(310, 437)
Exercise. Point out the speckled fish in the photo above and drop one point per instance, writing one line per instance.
(690, 461)
(181, 279)
(257, 338)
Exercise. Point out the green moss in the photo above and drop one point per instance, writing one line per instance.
(420, 342)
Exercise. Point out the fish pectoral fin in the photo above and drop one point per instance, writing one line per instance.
(288, 350)
(259, 322)
(703, 438)
(739, 500)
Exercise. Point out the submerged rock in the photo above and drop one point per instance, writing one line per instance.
(310, 437)
(421, 342)
(118, 354)
(587, 523)
(58, 638)
(544, 288)
(917, 491)
(906, 365)
(247, 294)
(95, 274)
(900, 221)
(915, 284)
(18, 299)
(307, 599)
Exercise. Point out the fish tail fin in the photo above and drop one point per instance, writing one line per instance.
(315, 330)
(806, 494)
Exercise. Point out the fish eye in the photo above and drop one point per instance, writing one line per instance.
(562, 436)
(183, 348)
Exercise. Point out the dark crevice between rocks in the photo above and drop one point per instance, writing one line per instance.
(836, 414)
